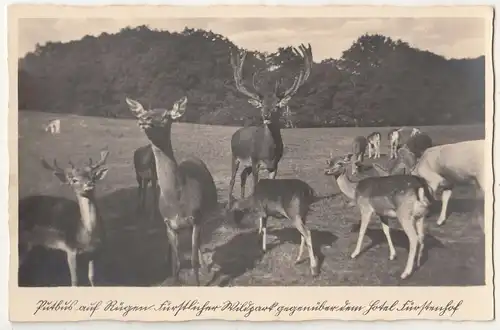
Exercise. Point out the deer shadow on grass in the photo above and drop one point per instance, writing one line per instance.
(135, 251)
(399, 239)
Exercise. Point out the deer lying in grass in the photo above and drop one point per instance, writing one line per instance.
(445, 165)
(358, 151)
(145, 172)
(404, 197)
(187, 190)
(62, 224)
(289, 198)
(374, 140)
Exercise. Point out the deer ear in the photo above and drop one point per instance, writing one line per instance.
(134, 106)
(255, 103)
(61, 176)
(179, 108)
(284, 101)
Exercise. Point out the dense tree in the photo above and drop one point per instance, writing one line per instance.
(376, 82)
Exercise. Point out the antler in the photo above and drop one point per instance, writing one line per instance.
(237, 64)
(54, 168)
(306, 54)
(102, 161)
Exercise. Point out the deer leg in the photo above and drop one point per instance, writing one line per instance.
(139, 194)
(421, 237)
(195, 253)
(306, 236)
(410, 231)
(273, 172)
(387, 233)
(255, 172)
(154, 185)
(144, 194)
(263, 231)
(370, 150)
(445, 198)
(301, 249)
(365, 219)
(72, 265)
(235, 163)
(243, 180)
(174, 245)
(91, 272)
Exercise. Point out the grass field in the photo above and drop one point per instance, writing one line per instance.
(454, 252)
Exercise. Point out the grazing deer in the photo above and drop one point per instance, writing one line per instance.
(187, 189)
(54, 126)
(289, 198)
(62, 224)
(145, 172)
(358, 152)
(374, 140)
(404, 197)
(253, 146)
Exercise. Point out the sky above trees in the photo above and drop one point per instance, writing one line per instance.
(448, 37)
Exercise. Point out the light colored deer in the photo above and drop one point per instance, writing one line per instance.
(289, 198)
(62, 224)
(445, 165)
(394, 140)
(187, 189)
(404, 197)
(145, 172)
(358, 152)
(54, 126)
(374, 140)
(253, 147)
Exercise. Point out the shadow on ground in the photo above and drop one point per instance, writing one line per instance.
(135, 253)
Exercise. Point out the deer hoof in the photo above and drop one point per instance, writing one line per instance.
(354, 255)
(405, 275)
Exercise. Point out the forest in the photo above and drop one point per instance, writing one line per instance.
(378, 81)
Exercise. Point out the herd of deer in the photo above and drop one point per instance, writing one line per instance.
(185, 192)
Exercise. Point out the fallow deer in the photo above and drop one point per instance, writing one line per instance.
(63, 224)
(374, 140)
(289, 198)
(404, 197)
(54, 126)
(358, 152)
(253, 146)
(187, 189)
(393, 137)
(145, 172)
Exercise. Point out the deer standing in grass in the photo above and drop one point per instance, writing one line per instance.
(187, 189)
(255, 146)
(358, 153)
(404, 197)
(289, 198)
(374, 140)
(62, 224)
(145, 172)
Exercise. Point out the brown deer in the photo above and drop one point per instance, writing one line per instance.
(404, 197)
(145, 172)
(187, 189)
(289, 198)
(63, 224)
(257, 146)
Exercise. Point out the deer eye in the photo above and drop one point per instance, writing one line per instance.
(74, 180)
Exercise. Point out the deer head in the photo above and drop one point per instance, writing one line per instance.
(337, 164)
(271, 102)
(81, 179)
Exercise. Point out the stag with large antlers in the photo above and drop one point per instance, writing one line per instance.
(62, 224)
(256, 146)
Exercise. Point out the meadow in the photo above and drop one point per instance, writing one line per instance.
(136, 252)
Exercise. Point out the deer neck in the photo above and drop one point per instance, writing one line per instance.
(88, 211)
(346, 185)
(167, 173)
(274, 131)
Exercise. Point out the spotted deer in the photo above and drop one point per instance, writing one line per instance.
(374, 140)
(404, 197)
(187, 189)
(54, 126)
(145, 173)
(62, 224)
(256, 146)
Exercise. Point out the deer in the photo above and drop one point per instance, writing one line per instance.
(405, 197)
(256, 146)
(145, 172)
(54, 126)
(374, 140)
(62, 224)
(393, 137)
(445, 165)
(187, 189)
(358, 151)
(288, 198)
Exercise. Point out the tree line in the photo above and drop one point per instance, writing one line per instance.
(378, 81)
